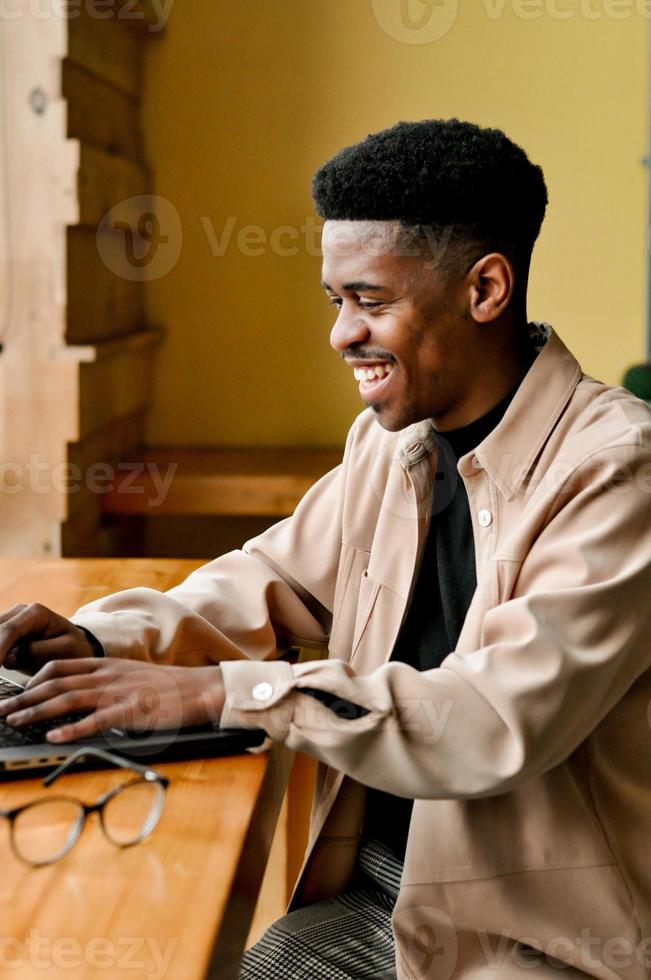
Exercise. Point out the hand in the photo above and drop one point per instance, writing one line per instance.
(124, 694)
(32, 635)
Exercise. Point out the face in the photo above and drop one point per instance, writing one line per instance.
(403, 325)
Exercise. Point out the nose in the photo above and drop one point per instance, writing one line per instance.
(349, 329)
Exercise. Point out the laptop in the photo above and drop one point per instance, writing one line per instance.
(25, 751)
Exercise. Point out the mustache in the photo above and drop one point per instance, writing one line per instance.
(367, 354)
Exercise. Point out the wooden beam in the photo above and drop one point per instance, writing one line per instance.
(118, 381)
(107, 48)
(101, 303)
(100, 115)
(89, 461)
(137, 341)
(220, 481)
(143, 16)
(148, 18)
(104, 181)
(115, 377)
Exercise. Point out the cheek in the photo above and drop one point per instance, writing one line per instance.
(400, 335)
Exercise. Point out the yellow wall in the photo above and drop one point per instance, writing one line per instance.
(246, 98)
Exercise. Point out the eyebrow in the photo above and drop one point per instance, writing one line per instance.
(357, 286)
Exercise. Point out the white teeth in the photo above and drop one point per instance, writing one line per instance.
(372, 373)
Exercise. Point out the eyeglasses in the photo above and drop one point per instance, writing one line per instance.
(45, 830)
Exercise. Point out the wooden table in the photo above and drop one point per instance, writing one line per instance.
(180, 904)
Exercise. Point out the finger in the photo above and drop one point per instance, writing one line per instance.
(62, 704)
(36, 653)
(98, 721)
(31, 656)
(31, 620)
(16, 659)
(65, 668)
(9, 636)
(10, 613)
(44, 692)
(124, 710)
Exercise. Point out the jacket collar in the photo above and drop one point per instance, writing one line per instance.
(510, 450)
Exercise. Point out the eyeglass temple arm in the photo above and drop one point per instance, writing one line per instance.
(116, 760)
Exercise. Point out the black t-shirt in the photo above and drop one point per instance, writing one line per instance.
(442, 594)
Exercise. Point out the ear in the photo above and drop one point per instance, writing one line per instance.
(492, 281)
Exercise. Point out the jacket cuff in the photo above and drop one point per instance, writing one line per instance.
(115, 634)
(256, 696)
(98, 649)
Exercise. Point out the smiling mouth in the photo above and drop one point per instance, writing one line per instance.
(373, 377)
(373, 373)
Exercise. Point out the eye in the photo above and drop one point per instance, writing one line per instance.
(337, 302)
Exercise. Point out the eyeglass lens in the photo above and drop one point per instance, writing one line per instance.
(46, 830)
(132, 814)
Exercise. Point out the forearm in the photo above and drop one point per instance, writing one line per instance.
(480, 724)
(235, 607)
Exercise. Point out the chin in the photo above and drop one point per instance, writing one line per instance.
(390, 421)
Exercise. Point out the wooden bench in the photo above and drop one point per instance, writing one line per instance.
(224, 481)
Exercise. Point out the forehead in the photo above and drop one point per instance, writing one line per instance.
(351, 248)
(345, 239)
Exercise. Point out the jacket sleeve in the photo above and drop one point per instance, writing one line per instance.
(553, 661)
(254, 603)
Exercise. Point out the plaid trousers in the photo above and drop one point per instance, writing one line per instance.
(343, 938)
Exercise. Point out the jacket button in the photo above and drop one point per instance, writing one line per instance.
(485, 518)
(262, 691)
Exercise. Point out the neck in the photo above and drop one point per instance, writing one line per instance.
(503, 366)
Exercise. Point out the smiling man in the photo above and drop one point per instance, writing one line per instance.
(390, 290)
(478, 569)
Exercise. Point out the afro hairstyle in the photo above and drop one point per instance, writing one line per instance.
(443, 174)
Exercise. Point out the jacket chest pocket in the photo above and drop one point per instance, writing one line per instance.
(495, 585)
(368, 593)
(347, 606)
(495, 582)
(381, 611)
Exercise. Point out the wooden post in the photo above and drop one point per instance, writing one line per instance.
(77, 356)
(38, 390)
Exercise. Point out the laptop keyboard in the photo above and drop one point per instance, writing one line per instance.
(28, 734)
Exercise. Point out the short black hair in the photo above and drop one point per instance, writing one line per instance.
(441, 174)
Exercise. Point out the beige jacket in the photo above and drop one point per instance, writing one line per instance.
(529, 750)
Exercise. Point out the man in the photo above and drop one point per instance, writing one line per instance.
(479, 568)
